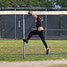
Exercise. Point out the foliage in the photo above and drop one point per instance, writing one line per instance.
(31, 3)
(62, 3)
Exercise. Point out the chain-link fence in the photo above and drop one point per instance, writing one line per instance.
(11, 26)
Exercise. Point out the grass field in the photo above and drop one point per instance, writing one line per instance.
(58, 65)
(12, 50)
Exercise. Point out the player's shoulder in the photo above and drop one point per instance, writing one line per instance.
(37, 17)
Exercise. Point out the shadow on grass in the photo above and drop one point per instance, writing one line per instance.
(38, 54)
(32, 57)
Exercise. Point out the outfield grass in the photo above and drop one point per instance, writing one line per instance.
(12, 50)
(58, 65)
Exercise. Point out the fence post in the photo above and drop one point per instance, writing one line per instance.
(0, 30)
(15, 24)
(46, 26)
(23, 36)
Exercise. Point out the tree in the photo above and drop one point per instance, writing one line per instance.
(62, 3)
(36, 3)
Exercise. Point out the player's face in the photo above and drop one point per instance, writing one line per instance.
(41, 18)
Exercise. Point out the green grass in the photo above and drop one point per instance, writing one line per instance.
(58, 65)
(12, 50)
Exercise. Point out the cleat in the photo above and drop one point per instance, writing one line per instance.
(25, 40)
(47, 51)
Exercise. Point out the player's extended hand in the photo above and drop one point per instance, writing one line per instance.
(30, 12)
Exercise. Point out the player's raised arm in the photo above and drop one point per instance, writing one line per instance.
(31, 13)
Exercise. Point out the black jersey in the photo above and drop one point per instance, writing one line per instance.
(38, 23)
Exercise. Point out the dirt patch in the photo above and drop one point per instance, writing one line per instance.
(32, 63)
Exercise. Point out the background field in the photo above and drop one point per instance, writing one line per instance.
(12, 50)
(58, 65)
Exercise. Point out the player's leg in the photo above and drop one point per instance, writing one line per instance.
(41, 35)
(30, 35)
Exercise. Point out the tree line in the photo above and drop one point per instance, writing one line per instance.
(32, 3)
